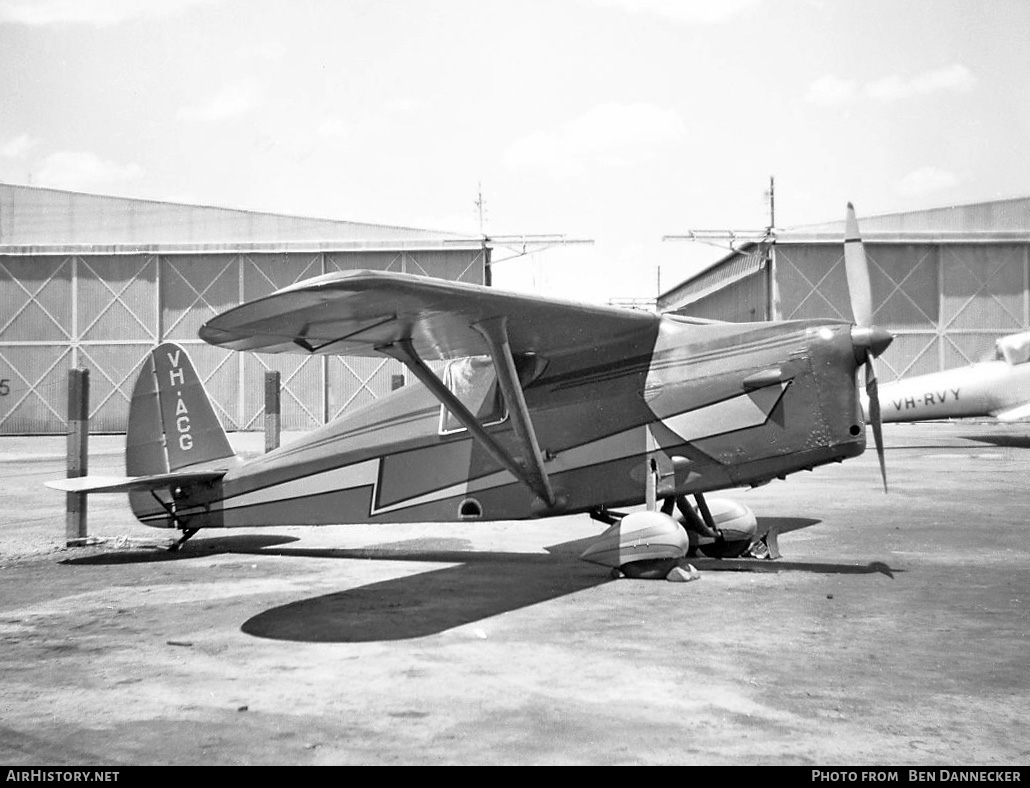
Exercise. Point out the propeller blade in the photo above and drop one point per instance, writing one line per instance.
(857, 269)
(869, 340)
(872, 391)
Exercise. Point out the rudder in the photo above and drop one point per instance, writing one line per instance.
(172, 424)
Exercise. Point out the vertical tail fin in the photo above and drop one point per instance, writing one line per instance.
(171, 422)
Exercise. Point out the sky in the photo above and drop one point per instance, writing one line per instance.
(617, 122)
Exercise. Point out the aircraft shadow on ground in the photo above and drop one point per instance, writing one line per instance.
(969, 443)
(135, 554)
(482, 585)
(781, 565)
(479, 585)
(264, 543)
(782, 525)
(785, 525)
(1007, 441)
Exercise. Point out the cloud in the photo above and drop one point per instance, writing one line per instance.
(99, 13)
(688, 11)
(17, 147)
(406, 106)
(609, 134)
(231, 101)
(926, 180)
(955, 78)
(831, 89)
(333, 128)
(268, 51)
(84, 171)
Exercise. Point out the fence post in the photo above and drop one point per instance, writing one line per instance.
(75, 528)
(272, 426)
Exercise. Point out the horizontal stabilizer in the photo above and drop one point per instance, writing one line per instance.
(121, 484)
(1014, 414)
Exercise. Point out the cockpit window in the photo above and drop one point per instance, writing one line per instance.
(473, 380)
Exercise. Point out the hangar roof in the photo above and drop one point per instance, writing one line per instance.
(35, 220)
(998, 220)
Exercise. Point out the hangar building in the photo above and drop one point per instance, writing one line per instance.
(945, 281)
(96, 281)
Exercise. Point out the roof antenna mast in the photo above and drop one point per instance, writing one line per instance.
(479, 207)
(771, 196)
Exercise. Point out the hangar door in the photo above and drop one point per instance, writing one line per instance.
(105, 312)
(944, 303)
(65, 311)
(984, 294)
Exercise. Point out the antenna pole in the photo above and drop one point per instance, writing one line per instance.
(479, 206)
(772, 202)
(772, 294)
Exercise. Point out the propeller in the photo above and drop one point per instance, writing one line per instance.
(868, 340)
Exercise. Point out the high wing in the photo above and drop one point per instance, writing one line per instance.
(418, 319)
(355, 312)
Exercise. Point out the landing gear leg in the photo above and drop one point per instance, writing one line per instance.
(186, 534)
(706, 515)
(698, 522)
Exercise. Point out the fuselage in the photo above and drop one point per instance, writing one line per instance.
(711, 406)
(983, 389)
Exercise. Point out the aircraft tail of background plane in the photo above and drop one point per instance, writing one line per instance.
(172, 424)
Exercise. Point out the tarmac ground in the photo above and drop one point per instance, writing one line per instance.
(892, 632)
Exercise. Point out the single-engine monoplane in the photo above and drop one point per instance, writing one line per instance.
(543, 407)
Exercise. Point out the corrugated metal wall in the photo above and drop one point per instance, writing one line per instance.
(732, 290)
(741, 301)
(105, 311)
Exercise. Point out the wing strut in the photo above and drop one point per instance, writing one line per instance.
(495, 331)
(403, 351)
